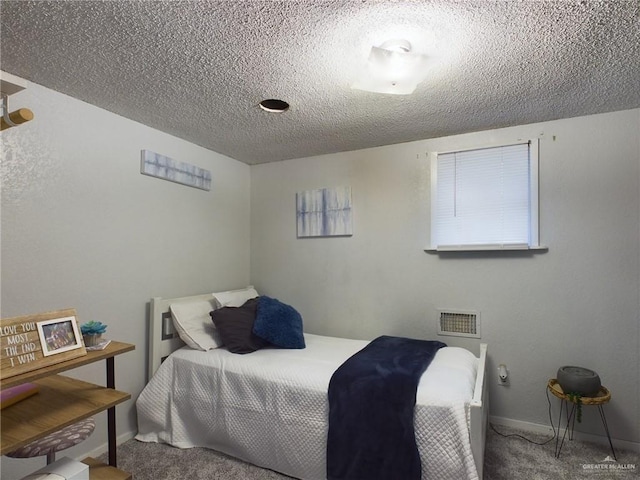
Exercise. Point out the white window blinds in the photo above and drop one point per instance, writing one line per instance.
(485, 198)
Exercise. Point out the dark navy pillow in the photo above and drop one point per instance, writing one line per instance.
(278, 323)
(234, 325)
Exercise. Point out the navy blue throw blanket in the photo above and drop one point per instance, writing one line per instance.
(372, 397)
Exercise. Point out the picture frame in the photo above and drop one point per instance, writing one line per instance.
(23, 345)
(324, 212)
(166, 168)
(59, 335)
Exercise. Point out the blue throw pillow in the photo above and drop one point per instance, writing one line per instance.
(278, 323)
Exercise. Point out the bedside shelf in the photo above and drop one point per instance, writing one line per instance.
(114, 348)
(62, 401)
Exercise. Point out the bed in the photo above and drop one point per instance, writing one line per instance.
(270, 407)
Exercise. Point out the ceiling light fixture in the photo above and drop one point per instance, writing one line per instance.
(392, 68)
(272, 105)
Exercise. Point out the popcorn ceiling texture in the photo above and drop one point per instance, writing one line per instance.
(198, 69)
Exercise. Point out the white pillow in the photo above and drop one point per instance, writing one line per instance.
(194, 324)
(235, 298)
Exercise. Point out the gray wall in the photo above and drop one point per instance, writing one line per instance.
(83, 229)
(577, 304)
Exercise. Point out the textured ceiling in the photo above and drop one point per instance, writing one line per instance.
(198, 69)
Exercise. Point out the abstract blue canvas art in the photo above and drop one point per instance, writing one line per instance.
(159, 166)
(325, 212)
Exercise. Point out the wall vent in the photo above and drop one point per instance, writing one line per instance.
(459, 323)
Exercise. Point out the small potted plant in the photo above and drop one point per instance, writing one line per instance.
(92, 332)
(577, 399)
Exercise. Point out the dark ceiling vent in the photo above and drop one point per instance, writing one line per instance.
(272, 105)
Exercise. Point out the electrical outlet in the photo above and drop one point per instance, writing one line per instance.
(503, 375)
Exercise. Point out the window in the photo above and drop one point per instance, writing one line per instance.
(485, 198)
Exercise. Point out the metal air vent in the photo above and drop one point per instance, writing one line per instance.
(459, 323)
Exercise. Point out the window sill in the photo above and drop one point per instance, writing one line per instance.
(487, 248)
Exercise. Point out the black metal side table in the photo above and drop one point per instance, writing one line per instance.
(600, 399)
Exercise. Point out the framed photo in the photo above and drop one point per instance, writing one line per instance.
(31, 342)
(59, 335)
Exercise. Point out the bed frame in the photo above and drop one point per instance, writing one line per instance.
(163, 340)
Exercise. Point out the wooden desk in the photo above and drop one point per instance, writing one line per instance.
(63, 401)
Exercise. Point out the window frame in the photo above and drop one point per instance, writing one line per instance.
(534, 201)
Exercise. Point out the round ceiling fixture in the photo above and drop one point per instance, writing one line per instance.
(272, 105)
(397, 45)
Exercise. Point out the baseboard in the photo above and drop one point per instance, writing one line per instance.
(547, 430)
(96, 452)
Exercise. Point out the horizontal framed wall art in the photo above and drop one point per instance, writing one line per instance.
(160, 166)
(326, 212)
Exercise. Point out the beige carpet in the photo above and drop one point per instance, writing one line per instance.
(507, 458)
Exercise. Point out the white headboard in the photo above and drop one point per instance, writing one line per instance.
(163, 338)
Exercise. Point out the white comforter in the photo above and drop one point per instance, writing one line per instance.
(270, 407)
